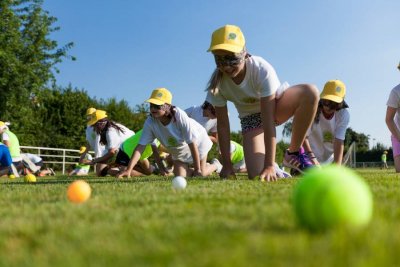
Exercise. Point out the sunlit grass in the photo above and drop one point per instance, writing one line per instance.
(144, 222)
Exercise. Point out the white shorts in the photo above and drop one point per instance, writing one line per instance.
(239, 165)
(185, 155)
(80, 172)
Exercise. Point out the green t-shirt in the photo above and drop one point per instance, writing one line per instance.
(129, 145)
(383, 157)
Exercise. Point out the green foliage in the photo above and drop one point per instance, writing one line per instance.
(27, 55)
(360, 139)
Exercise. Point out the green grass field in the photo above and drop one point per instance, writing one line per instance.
(143, 222)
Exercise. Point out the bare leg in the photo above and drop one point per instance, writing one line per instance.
(254, 151)
(300, 101)
(182, 169)
(99, 167)
(207, 169)
(397, 163)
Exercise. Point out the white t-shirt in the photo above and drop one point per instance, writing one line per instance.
(321, 135)
(176, 136)
(115, 138)
(260, 80)
(33, 157)
(394, 102)
(94, 141)
(196, 113)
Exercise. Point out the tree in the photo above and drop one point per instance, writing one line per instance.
(360, 139)
(27, 55)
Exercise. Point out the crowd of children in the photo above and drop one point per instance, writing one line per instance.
(184, 137)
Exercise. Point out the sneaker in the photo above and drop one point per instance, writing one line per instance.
(52, 172)
(281, 173)
(218, 164)
(299, 162)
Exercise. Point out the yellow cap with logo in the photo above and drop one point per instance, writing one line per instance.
(334, 90)
(90, 111)
(160, 96)
(82, 149)
(98, 115)
(229, 38)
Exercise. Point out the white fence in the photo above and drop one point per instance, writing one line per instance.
(50, 155)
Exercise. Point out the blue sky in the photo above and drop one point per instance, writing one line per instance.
(125, 49)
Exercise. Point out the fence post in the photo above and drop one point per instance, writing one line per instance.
(63, 168)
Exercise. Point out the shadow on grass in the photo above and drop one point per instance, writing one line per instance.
(106, 180)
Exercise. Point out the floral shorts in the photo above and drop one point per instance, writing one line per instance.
(252, 122)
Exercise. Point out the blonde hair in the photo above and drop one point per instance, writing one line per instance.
(214, 81)
(216, 76)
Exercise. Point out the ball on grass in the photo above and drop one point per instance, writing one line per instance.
(179, 183)
(332, 196)
(11, 176)
(30, 178)
(79, 191)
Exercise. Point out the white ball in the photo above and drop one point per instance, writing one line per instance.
(179, 182)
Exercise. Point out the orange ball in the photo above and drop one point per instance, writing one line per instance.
(79, 191)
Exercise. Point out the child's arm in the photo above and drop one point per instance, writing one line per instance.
(224, 141)
(338, 148)
(134, 160)
(390, 113)
(157, 159)
(268, 120)
(196, 159)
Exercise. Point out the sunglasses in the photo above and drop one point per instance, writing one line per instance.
(330, 104)
(154, 106)
(228, 60)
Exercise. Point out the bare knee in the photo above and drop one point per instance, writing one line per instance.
(309, 93)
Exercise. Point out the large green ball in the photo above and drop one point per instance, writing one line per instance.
(332, 196)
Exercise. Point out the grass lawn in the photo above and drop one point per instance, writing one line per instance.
(143, 222)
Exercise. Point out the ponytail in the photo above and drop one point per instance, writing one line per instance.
(214, 81)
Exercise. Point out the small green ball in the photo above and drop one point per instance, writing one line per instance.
(332, 196)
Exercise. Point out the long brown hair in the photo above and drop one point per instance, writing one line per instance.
(101, 127)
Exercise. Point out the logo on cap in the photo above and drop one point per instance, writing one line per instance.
(338, 89)
(232, 36)
(159, 94)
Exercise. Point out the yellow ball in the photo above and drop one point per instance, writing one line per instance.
(30, 178)
(11, 176)
(79, 191)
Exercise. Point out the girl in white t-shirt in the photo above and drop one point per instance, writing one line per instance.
(93, 140)
(112, 135)
(393, 122)
(205, 115)
(184, 138)
(325, 138)
(252, 84)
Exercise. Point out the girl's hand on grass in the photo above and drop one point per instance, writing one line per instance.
(268, 174)
(123, 174)
(227, 172)
(197, 173)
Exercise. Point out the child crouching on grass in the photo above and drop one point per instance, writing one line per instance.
(82, 169)
(185, 139)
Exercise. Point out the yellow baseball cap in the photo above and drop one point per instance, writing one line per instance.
(82, 149)
(229, 38)
(90, 111)
(160, 96)
(98, 115)
(2, 125)
(334, 90)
